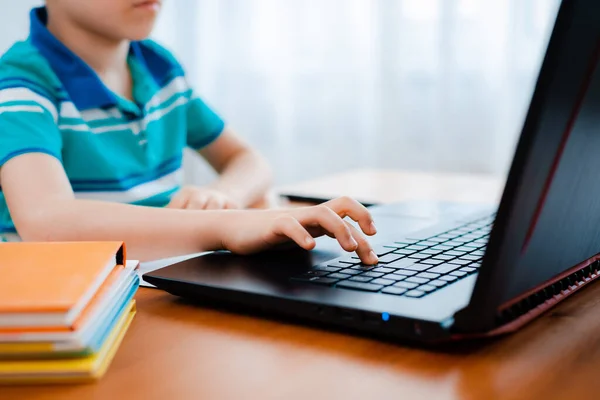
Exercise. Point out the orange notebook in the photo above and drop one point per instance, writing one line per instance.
(50, 284)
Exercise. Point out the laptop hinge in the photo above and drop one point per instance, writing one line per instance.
(470, 320)
(531, 303)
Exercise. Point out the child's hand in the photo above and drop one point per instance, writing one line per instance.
(252, 231)
(202, 198)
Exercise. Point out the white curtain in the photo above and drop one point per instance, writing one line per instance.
(325, 85)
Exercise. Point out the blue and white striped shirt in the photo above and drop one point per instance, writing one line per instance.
(111, 148)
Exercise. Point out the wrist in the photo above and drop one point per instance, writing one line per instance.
(206, 229)
(223, 225)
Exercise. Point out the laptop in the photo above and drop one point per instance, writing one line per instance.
(472, 273)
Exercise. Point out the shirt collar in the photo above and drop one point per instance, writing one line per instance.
(83, 85)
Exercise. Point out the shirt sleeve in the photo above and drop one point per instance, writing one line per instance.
(204, 125)
(27, 124)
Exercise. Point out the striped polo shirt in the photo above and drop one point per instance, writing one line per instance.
(111, 148)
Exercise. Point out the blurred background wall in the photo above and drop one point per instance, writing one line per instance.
(321, 86)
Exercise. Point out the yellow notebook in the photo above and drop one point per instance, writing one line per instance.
(70, 370)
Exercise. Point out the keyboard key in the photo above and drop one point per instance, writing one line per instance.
(463, 239)
(349, 259)
(338, 275)
(447, 278)
(462, 230)
(470, 257)
(400, 274)
(383, 250)
(427, 288)
(383, 270)
(406, 242)
(444, 268)
(431, 252)
(314, 272)
(414, 279)
(406, 285)
(389, 258)
(359, 278)
(427, 243)
(405, 252)
(458, 261)
(444, 257)
(458, 274)
(351, 271)
(382, 281)
(442, 247)
(367, 287)
(372, 274)
(416, 247)
(326, 268)
(453, 243)
(362, 267)
(419, 256)
(475, 265)
(418, 267)
(392, 246)
(468, 270)
(341, 264)
(438, 283)
(431, 262)
(415, 293)
(394, 277)
(481, 242)
(405, 262)
(394, 290)
(437, 239)
(455, 253)
(473, 235)
(466, 248)
(318, 280)
(427, 275)
(478, 253)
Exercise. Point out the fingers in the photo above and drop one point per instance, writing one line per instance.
(192, 198)
(348, 207)
(364, 249)
(290, 227)
(331, 222)
(215, 203)
(232, 205)
(198, 202)
(179, 201)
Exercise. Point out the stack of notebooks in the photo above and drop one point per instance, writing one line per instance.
(64, 310)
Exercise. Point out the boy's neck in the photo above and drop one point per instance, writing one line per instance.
(106, 56)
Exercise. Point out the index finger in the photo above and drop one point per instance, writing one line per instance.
(348, 207)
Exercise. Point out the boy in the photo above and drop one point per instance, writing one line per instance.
(93, 121)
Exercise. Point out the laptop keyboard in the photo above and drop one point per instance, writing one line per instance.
(411, 268)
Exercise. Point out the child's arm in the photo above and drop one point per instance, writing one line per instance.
(244, 177)
(43, 207)
(244, 174)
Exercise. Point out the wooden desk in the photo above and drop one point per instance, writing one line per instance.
(178, 351)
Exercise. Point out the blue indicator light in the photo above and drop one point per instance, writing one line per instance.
(385, 316)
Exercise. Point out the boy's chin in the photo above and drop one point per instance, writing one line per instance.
(138, 35)
(137, 32)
